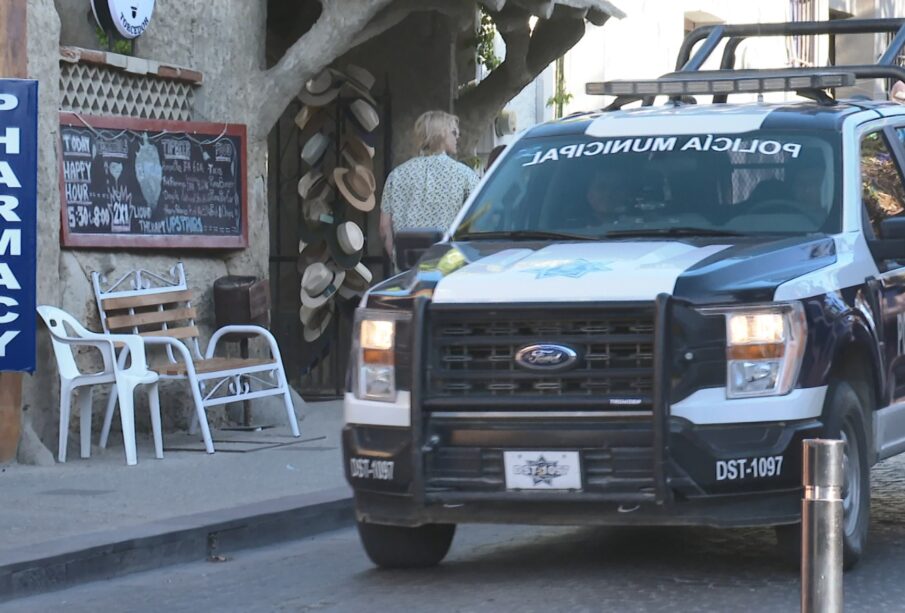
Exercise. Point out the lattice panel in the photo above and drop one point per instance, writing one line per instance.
(98, 90)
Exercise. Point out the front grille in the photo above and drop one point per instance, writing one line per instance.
(472, 353)
(615, 470)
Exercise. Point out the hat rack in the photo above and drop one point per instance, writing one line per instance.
(336, 191)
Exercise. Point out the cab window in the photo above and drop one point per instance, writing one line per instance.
(882, 192)
(759, 182)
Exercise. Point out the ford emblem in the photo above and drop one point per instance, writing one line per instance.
(546, 357)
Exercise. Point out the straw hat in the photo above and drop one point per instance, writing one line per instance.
(350, 237)
(358, 280)
(314, 149)
(364, 113)
(315, 321)
(363, 79)
(310, 182)
(322, 89)
(309, 253)
(358, 83)
(317, 211)
(346, 244)
(357, 186)
(308, 115)
(319, 282)
(356, 151)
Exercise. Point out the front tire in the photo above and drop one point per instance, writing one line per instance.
(403, 547)
(845, 420)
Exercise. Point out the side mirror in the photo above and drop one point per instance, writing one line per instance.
(411, 244)
(892, 227)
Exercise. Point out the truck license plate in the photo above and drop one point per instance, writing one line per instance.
(542, 470)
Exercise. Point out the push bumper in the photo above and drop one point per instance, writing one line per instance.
(707, 473)
(637, 468)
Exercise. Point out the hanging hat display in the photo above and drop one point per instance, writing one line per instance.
(322, 89)
(357, 186)
(365, 115)
(319, 282)
(346, 244)
(315, 320)
(332, 239)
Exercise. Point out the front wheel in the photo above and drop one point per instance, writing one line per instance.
(845, 414)
(403, 547)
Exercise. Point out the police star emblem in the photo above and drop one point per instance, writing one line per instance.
(543, 470)
(573, 269)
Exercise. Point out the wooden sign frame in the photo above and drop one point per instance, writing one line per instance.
(153, 241)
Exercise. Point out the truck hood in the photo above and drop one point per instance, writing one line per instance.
(574, 272)
(698, 270)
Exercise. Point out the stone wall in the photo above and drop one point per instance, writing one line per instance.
(223, 40)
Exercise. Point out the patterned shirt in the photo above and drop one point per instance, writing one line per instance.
(427, 192)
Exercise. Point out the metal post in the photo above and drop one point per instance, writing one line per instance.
(821, 526)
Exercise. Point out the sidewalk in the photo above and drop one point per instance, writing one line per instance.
(260, 487)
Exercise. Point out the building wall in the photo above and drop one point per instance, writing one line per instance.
(220, 38)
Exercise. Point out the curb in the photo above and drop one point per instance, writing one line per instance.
(63, 563)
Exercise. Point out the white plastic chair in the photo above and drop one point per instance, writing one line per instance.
(66, 334)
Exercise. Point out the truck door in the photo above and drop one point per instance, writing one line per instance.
(883, 196)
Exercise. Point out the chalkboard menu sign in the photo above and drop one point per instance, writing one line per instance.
(128, 182)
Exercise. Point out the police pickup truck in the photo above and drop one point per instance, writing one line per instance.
(641, 313)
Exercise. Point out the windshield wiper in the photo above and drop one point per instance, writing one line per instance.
(679, 231)
(524, 234)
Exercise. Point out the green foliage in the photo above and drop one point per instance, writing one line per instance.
(120, 45)
(561, 97)
(484, 42)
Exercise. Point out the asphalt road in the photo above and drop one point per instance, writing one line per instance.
(516, 568)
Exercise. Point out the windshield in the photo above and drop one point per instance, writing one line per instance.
(761, 182)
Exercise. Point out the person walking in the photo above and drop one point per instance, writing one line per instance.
(427, 191)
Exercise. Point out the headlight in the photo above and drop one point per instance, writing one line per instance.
(764, 347)
(374, 354)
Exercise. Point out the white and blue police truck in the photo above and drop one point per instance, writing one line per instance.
(641, 312)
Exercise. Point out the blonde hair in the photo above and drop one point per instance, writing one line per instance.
(431, 130)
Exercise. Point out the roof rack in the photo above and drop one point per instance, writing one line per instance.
(717, 82)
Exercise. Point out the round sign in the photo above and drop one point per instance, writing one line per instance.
(129, 18)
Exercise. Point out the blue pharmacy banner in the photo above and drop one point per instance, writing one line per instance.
(18, 217)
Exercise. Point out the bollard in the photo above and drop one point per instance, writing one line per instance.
(821, 526)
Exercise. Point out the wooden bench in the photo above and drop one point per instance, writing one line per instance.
(158, 307)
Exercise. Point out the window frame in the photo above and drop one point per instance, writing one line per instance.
(897, 149)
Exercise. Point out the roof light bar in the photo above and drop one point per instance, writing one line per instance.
(723, 82)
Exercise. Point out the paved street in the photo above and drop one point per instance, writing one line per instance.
(515, 568)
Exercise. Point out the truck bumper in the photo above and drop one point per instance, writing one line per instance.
(637, 467)
(396, 483)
